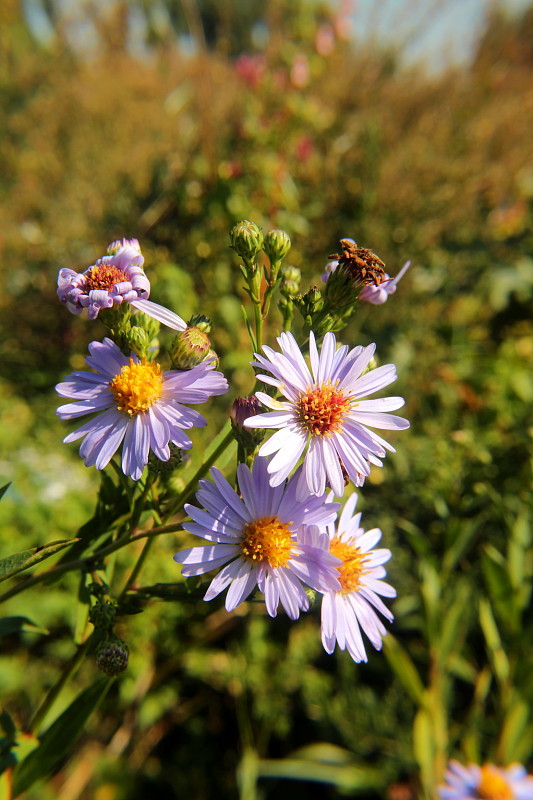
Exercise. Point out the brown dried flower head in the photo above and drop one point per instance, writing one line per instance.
(362, 265)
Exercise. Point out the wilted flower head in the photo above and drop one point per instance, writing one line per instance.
(112, 280)
(116, 278)
(486, 783)
(257, 539)
(136, 403)
(371, 293)
(325, 413)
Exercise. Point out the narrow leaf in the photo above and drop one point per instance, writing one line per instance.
(19, 625)
(11, 565)
(59, 737)
(404, 668)
(4, 489)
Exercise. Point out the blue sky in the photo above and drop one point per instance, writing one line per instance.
(437, 32)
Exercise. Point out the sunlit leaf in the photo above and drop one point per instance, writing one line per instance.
(18, 562)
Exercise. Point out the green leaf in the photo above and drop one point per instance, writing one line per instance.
(404, 668)
(497, 655)
(424, 746)
(500, 589)
(455, 623)
(59, 737)
(18, 562)
(4, 489)
(513, 731)
(19, 625)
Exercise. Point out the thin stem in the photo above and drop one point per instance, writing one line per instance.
(129, 537)
(137, 568)
(52, 695)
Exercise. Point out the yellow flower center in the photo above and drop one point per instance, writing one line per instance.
(351, 569)
(137, 387)
(267, 539)
(103, 277)
(321, 410)
(492, 785)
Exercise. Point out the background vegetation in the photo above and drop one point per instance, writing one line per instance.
(207, 120)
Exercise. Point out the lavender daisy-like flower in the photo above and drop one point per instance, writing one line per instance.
(116, 278)
(486, 783)
(325, 412)
(136, 403)
(258, 540)
(353, 606)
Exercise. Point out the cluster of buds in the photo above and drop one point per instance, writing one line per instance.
(112, 652)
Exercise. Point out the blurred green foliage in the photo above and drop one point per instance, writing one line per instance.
(324, 139)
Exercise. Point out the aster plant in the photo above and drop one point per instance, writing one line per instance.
(270, 530)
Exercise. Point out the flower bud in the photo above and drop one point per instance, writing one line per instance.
(190, 348)
(112, 656)
(246, 239)
(290, 281)
(137, 339)
(114, 247)
(313, 300)
(201, 322)
(103, 615)
(276, 245)
(159, 467)
(242, 409)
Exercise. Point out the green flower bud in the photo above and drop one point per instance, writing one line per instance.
(276, 245)
(159, 467)
(290, 281)
(246, 239)
(201, 322)
(103, 615)
(112, 656)
(137, 339)
(313, 300)
(189, 348)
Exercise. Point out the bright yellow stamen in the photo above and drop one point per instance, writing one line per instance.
(137, 387)
(492, 785)
(321, 410)
(267, 539)
(351, 570)
(103, 277)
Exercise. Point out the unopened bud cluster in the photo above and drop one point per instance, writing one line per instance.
(112, 653)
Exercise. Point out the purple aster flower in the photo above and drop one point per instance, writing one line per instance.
(325, 412)
(353, 606)
(136, 402)
(377, 295)
(257, 539)
(486, 783)
(116, 278)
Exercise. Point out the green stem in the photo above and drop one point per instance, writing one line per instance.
(129, 537)
(52, 695)
(137, 568)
